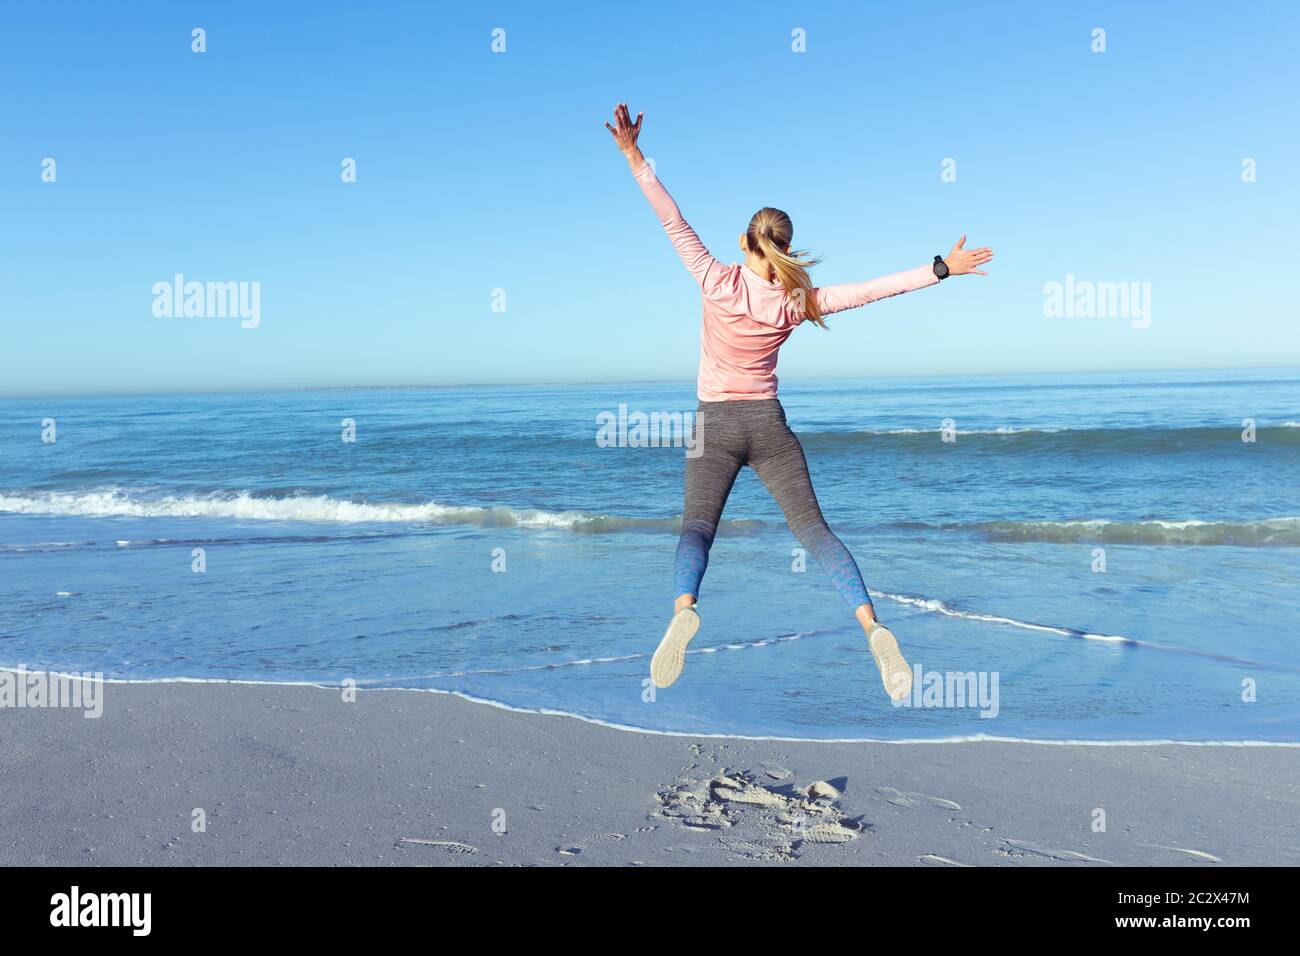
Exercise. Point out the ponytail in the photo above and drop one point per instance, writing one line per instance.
(769, 235)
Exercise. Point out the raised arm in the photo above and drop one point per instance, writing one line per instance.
(694, 256)
(960, 261)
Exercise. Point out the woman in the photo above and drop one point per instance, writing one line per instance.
(749, 311)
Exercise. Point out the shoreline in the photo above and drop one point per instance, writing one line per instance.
(649, 731)
(292, 774)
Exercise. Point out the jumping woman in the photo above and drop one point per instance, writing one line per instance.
(749, 311)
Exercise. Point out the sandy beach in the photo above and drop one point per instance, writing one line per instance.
(227, 774)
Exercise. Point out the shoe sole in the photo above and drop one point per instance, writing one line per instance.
(894, 672)
(670, 658)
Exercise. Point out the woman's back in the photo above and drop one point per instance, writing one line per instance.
(747, 317)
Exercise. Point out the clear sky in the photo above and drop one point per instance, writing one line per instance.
(479, 171)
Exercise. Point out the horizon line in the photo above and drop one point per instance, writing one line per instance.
(255, 389)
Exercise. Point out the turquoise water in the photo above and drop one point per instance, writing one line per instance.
(484, 540)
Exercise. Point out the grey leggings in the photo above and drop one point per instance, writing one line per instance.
(755, 433)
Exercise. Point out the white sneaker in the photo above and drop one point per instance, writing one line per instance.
(670, 658)
(894, 671)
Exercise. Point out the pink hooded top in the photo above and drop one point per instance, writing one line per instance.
(748, 317)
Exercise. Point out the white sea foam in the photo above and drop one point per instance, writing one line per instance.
(1267, 532)
(325, 510)
(321, 509)
(935, 606)
(317, 508)
(587, 662)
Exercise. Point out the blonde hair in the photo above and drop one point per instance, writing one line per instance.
(769, 234)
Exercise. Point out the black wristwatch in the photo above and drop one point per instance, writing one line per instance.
(940, 268)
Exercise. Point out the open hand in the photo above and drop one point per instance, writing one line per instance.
(964, 261)
(626, 132)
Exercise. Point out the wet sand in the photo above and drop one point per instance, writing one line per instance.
(296, 775)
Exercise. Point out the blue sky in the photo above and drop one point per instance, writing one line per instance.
(478, 171)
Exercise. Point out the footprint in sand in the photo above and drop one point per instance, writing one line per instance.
(753, 796)
(791, 818)
(688, 848)
(907, 798)
(1198, 854)
(778, 851)
(446, 846)
(1066, 856)
(829, 833)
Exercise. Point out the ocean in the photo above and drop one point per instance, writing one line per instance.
(1105, 557)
